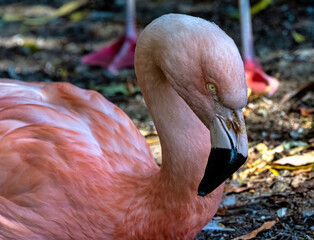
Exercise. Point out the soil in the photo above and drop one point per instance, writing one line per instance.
(52, 52)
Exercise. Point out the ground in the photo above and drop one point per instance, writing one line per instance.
(263, 190)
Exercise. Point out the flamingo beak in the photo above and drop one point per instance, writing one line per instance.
(228, 152)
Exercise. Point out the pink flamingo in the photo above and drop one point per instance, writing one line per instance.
(121, 53)
(257, 81)
(73, 165)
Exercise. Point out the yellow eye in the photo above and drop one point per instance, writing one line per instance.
(211, 87)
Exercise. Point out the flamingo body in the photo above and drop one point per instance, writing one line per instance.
(71, 163)
(62, 148)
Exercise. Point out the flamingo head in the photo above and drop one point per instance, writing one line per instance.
(204, 66)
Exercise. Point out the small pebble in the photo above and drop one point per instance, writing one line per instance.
(281, 212)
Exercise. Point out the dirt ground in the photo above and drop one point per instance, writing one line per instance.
(266, 192)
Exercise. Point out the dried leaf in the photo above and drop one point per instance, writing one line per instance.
(235, 189)
(291, 144)
(215, 225)
(247, 112)
(261, 147)
(268, 156)
(297, 160)
(265, 226)
(300, 148)
(146, 133)
(297, 180)
(302, 171)
(249, 92)
(153, 140)
(278, 149)
(306, 112)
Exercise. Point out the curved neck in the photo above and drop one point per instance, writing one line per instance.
(184, 139)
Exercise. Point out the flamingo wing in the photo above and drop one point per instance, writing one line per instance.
(62, 151)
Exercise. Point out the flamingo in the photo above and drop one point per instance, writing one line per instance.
(258, 81)
(74, 166)
(120, 54)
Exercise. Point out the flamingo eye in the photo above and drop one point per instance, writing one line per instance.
(211, 87)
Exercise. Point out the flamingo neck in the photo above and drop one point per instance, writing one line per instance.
(185, 141)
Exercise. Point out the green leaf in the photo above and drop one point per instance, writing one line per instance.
(292, 144)
(62, 11)
(298, 37)
(77, 16)
(261, 5)
(69, 7)
(11, 17)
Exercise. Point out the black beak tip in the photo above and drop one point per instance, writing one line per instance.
(222, 163)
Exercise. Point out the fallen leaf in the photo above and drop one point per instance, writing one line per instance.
(306, 112)
(222, 211)
(11, 17)
(265, 226)
(261, 147)
(297, 180)
(215, 225)
(297, 160)
(301, 171)
(274, 171)
(69, 7)
(144, 132)
(296, 150)
(235, 189)
(249, 92)
(298, 37)
(292, 144)
(261, 5)
(247, 112)
(152, 140)
(78, 16)
(65, 9)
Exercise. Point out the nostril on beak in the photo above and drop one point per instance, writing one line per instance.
(236, 122)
